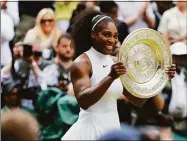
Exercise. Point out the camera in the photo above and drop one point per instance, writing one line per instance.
(24, 63)
(64, 77)
(28, 51)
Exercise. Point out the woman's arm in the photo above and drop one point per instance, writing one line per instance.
(80, 76)
(139, 102)
(158, 102)
(131, 20)
(150, 21)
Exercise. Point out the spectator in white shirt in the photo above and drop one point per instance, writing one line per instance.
(7, 34)
(173, 23)
(13, 11)
(136, 14)
(173, 28)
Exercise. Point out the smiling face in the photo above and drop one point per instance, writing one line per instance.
(106, 38)
(47, 23)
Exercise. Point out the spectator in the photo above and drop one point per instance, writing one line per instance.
(12, 97)
(173, 28)
(59, 71)
(26, 64)
(131, 133)
(111, 8)
(13, 11)
(92, 4)
(137, 14)
(63, 12)
(44, 34)
(173, 24)
(7, 34)
(19, 125)
(25, 67)
(178, 103)
(28, 11)
(18, 49)
(125, 133)
(151, 116)
(159, 7)
(61, 111)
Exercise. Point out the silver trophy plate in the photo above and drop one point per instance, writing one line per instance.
(145, 54)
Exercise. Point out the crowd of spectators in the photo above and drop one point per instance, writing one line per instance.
(37, 51)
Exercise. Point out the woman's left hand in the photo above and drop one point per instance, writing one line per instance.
(171, 71)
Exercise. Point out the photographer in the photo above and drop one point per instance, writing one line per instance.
(57, 74)
(25, 67)
(12, 97)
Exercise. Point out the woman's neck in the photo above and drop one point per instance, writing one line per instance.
(96, 48)
(47, 33)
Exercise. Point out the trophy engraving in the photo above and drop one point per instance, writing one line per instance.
(145, 54)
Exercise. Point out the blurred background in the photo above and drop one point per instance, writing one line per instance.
(37, 52)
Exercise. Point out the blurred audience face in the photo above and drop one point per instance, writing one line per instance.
(114, 13)
(65, 49)
(13, 99)
(3, 4)
(18, 125)
(181, 4)
(116, 49)
(90, 4)
(47, 23)
(18, 50)
(163, 6)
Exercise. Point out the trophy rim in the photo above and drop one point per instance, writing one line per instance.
(165, 47)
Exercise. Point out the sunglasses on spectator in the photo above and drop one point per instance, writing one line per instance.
(46, 20)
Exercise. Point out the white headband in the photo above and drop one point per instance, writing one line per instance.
(95, 17)
(99, 20)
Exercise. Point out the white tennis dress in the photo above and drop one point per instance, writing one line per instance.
(102, 116)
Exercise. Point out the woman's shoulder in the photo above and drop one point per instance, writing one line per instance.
(30, 36)
(81, 63)
(82, 59)
(31, 31)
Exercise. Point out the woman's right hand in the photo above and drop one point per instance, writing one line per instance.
(117, 69)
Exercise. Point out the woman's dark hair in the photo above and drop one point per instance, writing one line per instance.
(80, 7)
(82, 29)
